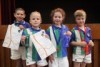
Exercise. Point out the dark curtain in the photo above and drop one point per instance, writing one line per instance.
(7, 9)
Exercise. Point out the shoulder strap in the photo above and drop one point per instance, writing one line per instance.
(53, 39)
(52, 36)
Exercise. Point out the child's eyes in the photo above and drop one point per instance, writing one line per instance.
(33, 19)
(78, 19)
(82, 18)
(37, 18)
(19, 14)
(57, 17)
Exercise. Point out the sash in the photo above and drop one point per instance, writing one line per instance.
(53, 40)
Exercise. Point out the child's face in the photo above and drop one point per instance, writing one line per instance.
(19, 15)
(80, 20)
(58, 18)
(35, 19)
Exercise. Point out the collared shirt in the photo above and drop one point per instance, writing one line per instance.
(61, 38)
(85, 35)
(35, 55)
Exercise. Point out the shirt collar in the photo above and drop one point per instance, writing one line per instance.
(33, 29)
(76, 28)
(19, 22)
(57, 27)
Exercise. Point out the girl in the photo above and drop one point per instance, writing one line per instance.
(60, 36)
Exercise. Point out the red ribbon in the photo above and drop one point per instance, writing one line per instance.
(86, 48)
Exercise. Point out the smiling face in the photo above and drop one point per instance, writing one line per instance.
(80, 17)
(19, 15)
(58, 18)
(80, 20)
(35, 19)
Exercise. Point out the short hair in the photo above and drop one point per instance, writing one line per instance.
(58, 10)
(35, 12)
(21, 9)
(79, 13)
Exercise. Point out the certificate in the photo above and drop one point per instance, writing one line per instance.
(12, 37)
(42, 44)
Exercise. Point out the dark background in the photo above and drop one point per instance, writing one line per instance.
(92, 8)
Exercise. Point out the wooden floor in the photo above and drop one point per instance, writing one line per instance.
(5, 60)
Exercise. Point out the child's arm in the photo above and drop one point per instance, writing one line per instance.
(90, 37)
(68, 33)
(74, 43)
(21, 27)
(91, 43)
(46, 35)
(23, 40)
(51, 58)
(23, 37)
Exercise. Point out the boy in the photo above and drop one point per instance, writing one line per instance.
(32, 57)
(81, 40)
(19, 55)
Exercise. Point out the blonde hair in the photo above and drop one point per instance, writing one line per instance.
(79, 13)
(58, 10)
(34, 13)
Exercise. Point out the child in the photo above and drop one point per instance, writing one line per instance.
(60, 36)
(81, 40)
(32, 57)
(19, 55)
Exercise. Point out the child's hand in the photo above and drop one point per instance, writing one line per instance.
(68, 33)
(23, 38)
(91, 43)
(21, 27)
(46, 36)
(83, 43)
(51, 58)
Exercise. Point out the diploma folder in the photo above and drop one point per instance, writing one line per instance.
(12, 37)
(42, 44)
